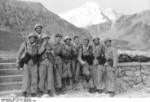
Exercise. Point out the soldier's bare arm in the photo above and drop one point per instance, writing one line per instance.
(115, 57)
(20, 52)
(79, 56)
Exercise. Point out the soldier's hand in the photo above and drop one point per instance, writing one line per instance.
(83, 62)
(106, 64)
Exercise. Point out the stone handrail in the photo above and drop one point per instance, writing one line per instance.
(133, 64)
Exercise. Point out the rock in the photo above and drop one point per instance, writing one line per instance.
(144, 67)
(138, 86)
(144, 77)
(137, 73)
(123, 69)
(128, 68)
(129, 73)
(121, 85)
(147, 82)
(146, 71)
(131, 83)
(133, 78)
(125, 78)
(45, 96)
(132, 68)
(121, 74)
(137, 67)
(138, 79)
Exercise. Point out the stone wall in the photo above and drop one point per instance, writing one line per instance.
(131, 75)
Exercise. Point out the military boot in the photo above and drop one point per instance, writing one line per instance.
(33, 94)
(50, 93)
(57, 91)
(24, 94)
(112, 94)
(61, 91)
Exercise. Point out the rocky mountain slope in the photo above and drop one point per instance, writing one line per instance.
(21, 16)
(131, 31)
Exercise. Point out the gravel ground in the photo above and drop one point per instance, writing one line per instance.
(140, 93)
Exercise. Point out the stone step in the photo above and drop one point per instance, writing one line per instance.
(7, 59)
(10, 78)
(6, 93)
(10, 86)
(7, 65)
(11, 71)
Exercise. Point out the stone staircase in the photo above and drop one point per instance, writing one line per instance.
(10, 77)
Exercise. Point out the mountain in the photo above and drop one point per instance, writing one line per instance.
(131, 31)
(89, 14)
(21, 16)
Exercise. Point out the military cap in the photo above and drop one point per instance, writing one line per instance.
(58, 35)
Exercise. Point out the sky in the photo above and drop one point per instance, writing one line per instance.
(122, 6)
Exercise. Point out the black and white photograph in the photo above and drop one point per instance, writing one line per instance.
(74, 49)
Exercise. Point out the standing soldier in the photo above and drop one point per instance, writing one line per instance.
(86, 59)
(110, 65)
(98, 64)
(58, 62)
(38, 30)
(66, 57)
(46, 66)
(30, 51)
(75, 63)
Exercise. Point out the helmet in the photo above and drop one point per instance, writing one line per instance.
(96, 38)
(38, 25)
(45, 36)
(107, 39)
(32, 35)
(66, 38)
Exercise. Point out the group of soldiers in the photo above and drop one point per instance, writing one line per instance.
(53, 67)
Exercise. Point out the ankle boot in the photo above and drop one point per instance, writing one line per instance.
(61, 91)
(63, 83)
(33, 94)
(50, 93)
(24, 94)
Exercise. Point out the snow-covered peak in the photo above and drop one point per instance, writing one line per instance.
(88, 14)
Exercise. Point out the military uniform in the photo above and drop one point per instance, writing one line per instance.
(30, 65)
(98, 66)
(111, 65)
(75, 63)
(58, 62)
(86, 55)
(66, 58)
(46, 69)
